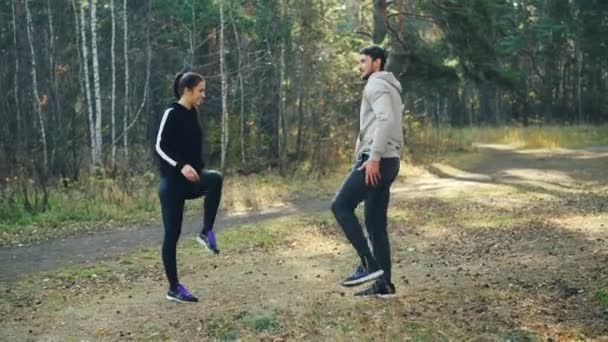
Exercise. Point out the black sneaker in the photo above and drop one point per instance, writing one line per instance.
(363, 274)
(208, 241)
(378, 289)
(181, 295)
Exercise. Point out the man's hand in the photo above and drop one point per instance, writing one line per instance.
(372, 172)
(190, 173)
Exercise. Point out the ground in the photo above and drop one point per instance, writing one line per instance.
(501, 244)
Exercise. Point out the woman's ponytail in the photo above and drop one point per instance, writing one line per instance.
(176, 89)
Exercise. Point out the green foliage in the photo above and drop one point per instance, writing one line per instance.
(264, 322)
(602, 296)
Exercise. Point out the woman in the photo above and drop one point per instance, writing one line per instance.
(179, 147)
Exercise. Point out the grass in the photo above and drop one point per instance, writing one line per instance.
(77, 206)
(445, 140)
(264, 322)
(96, 204)
(602, 296)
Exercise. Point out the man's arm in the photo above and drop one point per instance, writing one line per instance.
(380, 100)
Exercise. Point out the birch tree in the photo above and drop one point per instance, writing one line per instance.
(87, 85)
(113, 94)
(36, 96)
(225, 127)
(16, 80)
(96, 82)
(241, 83)
(125, 117)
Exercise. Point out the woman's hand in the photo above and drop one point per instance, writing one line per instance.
(190, 173)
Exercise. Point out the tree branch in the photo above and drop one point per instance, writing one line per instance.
(444, 7)
(367, 34)
(425, 16)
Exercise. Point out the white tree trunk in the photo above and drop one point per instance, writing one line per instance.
(225, 125)
(125, 117)
(16, 81)
(579, 67)
(96, 83)
(36, 98)
(52, 64)
(144, 99)
(193, 33)
(87, 85)
(281, 132)
(113, 95)
(241, 85)
(55, 92)
(282, 137)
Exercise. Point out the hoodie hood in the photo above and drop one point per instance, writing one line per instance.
(387, 77)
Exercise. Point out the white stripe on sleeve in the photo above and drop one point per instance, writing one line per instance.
(158, 137)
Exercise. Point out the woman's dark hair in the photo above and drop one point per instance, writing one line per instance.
(375, 52)
(185, 80)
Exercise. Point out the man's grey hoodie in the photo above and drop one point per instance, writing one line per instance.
(381, 128)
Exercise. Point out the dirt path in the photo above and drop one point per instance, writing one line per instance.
(551, 172)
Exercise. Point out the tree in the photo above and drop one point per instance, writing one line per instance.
(225, 122)
(241, 84)
(125, 117)
(113, 93)
(87, 86)
(35, 94)
(96, 84)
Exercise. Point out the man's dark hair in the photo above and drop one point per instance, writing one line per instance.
(375, 52)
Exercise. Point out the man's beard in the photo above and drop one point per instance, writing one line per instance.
(366, 76)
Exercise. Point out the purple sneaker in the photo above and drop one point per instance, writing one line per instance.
(181, 295)
(208, 241)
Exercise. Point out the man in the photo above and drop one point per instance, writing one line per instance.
(377, 153)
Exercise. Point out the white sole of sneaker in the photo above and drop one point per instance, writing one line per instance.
(202, 242)
(371, 276)
(172, 299)
(387, 296)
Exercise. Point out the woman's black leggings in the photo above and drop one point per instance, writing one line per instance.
(173, 192)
